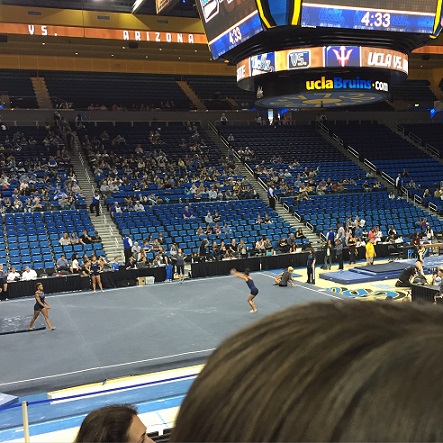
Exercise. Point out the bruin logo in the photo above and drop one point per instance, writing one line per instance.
(211, 8)
(340, 83)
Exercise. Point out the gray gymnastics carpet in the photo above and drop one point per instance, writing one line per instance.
(134, 330)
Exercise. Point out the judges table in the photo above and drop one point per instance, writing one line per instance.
(424, 293)
(70, 283)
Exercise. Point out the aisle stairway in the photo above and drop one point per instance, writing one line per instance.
(41, 93)
(313, 238)
(104, 225)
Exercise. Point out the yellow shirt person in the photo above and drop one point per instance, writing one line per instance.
(370, 253)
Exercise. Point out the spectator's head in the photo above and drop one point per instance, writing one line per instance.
(338, 371)
(115, 423)
(27, 269)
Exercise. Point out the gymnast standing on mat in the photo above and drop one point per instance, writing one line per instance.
(41, 305)
(252, 288)
(94, 268)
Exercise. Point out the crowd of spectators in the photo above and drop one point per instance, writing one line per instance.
(138, 176)
(37, 175)
(162, 106)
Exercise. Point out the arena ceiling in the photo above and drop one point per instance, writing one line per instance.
(146, 51)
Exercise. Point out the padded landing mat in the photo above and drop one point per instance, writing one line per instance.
(14, 325)
(395, 266)
(349, 277)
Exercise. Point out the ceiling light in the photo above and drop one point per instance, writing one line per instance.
(112, 55)
(43, 43)
(123, 47)
(76, 53)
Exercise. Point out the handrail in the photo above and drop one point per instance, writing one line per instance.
(388, 178)
(370, 165)
(416, 139)
(322, 236)
(417, 199)
(336, 138)
(353, 151)
(434, 151)
(323, 127)
(433, 207)
(400, 129)
(310, 226)
(297, 215)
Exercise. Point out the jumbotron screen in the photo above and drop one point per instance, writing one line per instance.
(228, 23)
(415, 16)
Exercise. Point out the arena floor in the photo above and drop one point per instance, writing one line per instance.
(135, 330)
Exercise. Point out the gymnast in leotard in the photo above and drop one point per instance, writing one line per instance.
(253, 291)
(41, 305)
(95, 269)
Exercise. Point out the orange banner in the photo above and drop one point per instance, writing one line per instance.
(101, 33)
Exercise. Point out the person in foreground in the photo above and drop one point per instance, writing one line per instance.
(340, 371)
(251, 285)
(114, 423)
(41, 305)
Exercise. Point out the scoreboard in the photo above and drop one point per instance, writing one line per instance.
(228, 23)
(414, 16)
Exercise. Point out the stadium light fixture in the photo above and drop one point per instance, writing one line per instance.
(137, 5)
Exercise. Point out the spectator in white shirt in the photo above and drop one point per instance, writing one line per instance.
(13, 276)
(29, 274)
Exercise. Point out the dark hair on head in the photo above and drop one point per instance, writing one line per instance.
(337, 371)
(107, 424)
(246, 271)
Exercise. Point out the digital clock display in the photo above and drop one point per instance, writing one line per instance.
(415, 16)
(228, 23)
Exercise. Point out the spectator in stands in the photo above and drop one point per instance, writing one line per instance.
(138, 207)
(271, 197)
(13, 275)
(135, 250)
(74, 266)
(85, 238)
(115, 265)
(29, 274)
(62, 263)
(74, 239)
(95, 204)
(282, 245)
(299, 235)
(399, 185)
(65, 240)
(115, 209)
(223, 119)
(268, 245)
(187, 213)
(232, 249)
(115, 423)
(428, 233)
(208, 218)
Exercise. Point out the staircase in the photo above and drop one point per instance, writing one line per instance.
(104, 225)
(184, 85)
(41, 93)
(313, 238)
